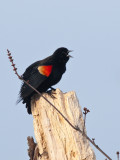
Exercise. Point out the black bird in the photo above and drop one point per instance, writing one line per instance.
(43, 74)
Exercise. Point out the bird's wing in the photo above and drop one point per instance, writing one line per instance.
(35, 76)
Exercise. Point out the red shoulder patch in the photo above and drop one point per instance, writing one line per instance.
(45, 70)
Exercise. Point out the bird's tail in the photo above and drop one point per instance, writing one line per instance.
(26, 101)
(18, 100)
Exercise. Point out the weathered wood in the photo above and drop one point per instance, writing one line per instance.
(55, 138)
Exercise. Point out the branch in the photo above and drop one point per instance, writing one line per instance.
(74, 127)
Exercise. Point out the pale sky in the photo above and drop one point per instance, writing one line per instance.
(32, 30)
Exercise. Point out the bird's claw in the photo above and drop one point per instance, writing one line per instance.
(51, 93)
(53, 89)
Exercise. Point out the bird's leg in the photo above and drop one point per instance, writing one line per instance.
(51, 93)
(52, 88)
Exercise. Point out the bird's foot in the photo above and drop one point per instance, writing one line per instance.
(51, 93)
(53, 89)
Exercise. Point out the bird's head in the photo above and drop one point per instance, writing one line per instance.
(62, 55)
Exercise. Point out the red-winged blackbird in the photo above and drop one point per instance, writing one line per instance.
(43, 74)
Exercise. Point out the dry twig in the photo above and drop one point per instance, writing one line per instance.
(74, 127)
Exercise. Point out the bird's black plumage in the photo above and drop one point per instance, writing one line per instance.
(43, 74)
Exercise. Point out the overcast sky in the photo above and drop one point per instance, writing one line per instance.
(32, 30)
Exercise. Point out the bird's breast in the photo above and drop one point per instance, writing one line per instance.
(56, 74)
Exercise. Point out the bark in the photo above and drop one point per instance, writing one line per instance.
(55, 138)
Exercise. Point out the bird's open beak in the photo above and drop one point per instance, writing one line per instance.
(70, 55)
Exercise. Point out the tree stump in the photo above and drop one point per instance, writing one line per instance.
(56, 139)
